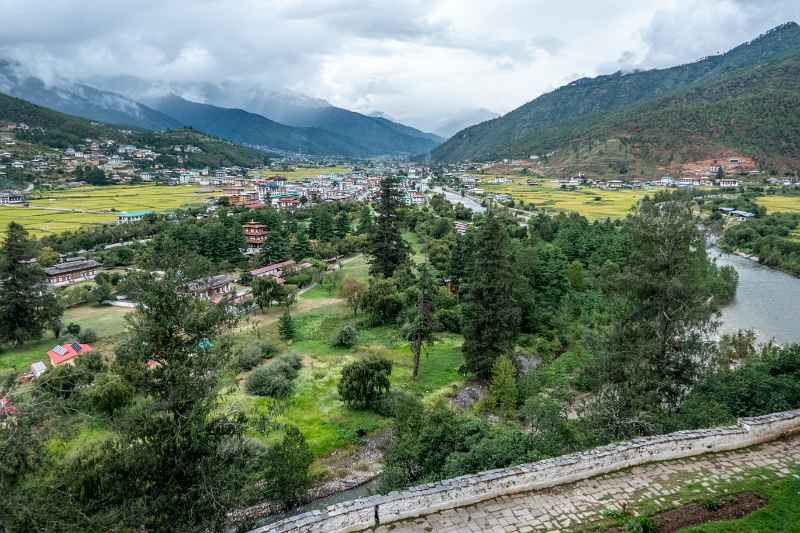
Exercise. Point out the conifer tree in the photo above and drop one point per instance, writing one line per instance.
(342, 225)
(325, 225)
(388, 250)
(364, 220)
(504, 391)
(286, 326)
(27, 307)
(301, 247)
(420, 328)
(491, 315)
(276, 248)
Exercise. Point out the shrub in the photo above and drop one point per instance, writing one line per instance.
(252, 355)
(346, 337)
(73, 329)
(448, 320)
(504, 390)
(109, 393)
(275, 379)
(286, 468)
(87, 336)
(364, 383)
(641, 524)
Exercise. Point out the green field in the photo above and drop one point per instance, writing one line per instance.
(299, 174)
(58, 211)
(780, 204)
(594, 204)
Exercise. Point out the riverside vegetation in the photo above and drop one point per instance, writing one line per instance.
(580, 332)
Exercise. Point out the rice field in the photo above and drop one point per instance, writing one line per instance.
(299, 174)
(780, 204)
(594, 204)
(58, 211)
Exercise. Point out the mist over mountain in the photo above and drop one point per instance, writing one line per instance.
(456, 122)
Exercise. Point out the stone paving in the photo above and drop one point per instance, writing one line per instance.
(569, 506)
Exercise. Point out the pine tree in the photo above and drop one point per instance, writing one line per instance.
(276, 248)
(491, 315)
(325, 229)
(420, 328)
(504, 391)
(286, 326)
(301, 247)
(26, 304)
(342, 225)
(364, 220)
(388, 250)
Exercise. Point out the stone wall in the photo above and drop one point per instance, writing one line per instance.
(466, 490)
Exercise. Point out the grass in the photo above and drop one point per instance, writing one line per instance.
(780, 204)
(107, 322)
(59, 211)
(594, 204)
(299, 174)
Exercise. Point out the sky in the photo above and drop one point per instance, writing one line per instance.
(415, 60)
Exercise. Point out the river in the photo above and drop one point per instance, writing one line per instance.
(767, 301)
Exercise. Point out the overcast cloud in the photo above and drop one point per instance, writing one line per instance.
(416, 60)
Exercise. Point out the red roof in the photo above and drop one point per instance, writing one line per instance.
(69, 352)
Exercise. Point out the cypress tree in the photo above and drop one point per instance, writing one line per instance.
(420, 328)
(325, 229)
(491, 314)
(276, 248)
(286, 326)
(342, 225)
(364, 220)
(388, 250)
(26, 304)
(301, 247)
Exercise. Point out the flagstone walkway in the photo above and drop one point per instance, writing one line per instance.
(566, 507)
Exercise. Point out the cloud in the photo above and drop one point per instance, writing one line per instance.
(417, 60)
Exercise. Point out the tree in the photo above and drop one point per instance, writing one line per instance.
(286, 326)
(27, 307)
(365, 382)
(387, 248)
(276, 249)
(301, 246)
(48, 257)
(503, 389)
(491, 314)
(100, 293)
(658, 343)
(324, 224)
(342, 225)
(265, 291)
(287, 468)
(353, 291)
(419, 330)
(364, 225)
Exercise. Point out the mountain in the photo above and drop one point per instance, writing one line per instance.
(80, 100)
(243, 127)
(370, 135)
(456, 122)
(58, 130)
(716, 102)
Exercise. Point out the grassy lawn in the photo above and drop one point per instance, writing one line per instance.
(299, 174)
(594, 204)
(58, 211)
(416, 247)
(780, 204)
(107, 322)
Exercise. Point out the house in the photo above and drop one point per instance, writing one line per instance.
(727, 183)
(212, 289)
(460, 227)
(255, 235)
(742, 215)
(73, 270)
(11, 198)
(66, 354)
(129, 217)
(615, 184)
(502, 197)
(276, 270)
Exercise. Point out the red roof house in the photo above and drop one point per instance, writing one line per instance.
(60, 355)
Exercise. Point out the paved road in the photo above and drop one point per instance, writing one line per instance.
(581, 503)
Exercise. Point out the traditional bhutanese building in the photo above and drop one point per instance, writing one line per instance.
(256, 235)
(72, 271)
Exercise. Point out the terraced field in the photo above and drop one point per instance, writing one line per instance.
(594, 204)
(780, 204)
(58, 211)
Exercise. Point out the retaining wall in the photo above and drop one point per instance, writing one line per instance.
(363, 513)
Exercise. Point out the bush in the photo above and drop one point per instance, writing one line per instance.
(364, 383)
(300, 280)
(252, 355)
(73, 329)
(109, 393)
(346, 337)
(286, 468)
(448, 320)
(88, 336)
(641, 524)
(275, 379)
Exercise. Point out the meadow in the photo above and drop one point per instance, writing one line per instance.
(299, 174)
(58, 211)
(594, 204)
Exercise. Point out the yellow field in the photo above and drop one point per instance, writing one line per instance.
(594, 204)
(96, 205)
(780, 204)
(301, 173)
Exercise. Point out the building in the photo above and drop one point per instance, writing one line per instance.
(279, 271)
(256, 235)
(11, 198)
(66, 354)
(212, 289)
(72, 271)
(726, 183)
(129, 217)
(460, 227)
